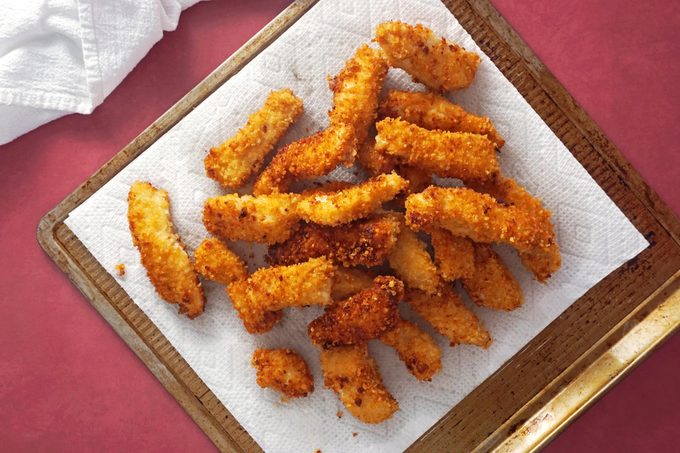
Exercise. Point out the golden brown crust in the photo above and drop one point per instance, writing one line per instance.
(542, 261)
(348, 282)
(364, 242)
(432, 111)
(432, 61)
(283, 370)
(412, 263)
(361, 317)
(265, 219)
(356, 202)
(162, 250)
(492, 285)
(416, 348)
(449, 316)
(308, 158)
(478, 216)
(235, 160)
(215, 261)
(351, 373)
(356, 89)
(447, 154)
(454, 255)
(269, 290)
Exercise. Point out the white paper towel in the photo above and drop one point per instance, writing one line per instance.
(595, 237)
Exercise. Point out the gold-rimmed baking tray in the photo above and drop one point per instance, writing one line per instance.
(545, 385)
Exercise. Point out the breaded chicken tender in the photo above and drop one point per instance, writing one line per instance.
(356, 90)
(541, 261)
(215, 261)
(235, 160)
(412, 263)
(348, 282)
(265, 219)
(275, 288)
(416, 348)
(478, 216)
(449, 316)
(492, 285)
(353, 374)
(163, 253)
(430, 60)
(447, 154)
(454, 255)
(361, 317)
(308, 158)
(364, 242)
(356, 202)
(432, 111)
(283, 370)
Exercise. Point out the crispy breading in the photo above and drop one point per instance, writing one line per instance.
(272, 289)
(449, 316)
(454, 255)
(162, 251)
(416, 348)
(412, 263)
(478, 216)
(356, 202)
(432, 111)
(433, 61)
(356, 89)
(235, 160)
(541, 261)
(348, 282)
(308, 158)
(361, 317)
(266, 219)
(353, 374)
(492, 285)
(215, 261)
(364, 242)
(447, 154)
(283, 370)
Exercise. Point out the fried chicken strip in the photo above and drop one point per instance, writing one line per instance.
(353, 374)
(430, 60)
(361, 317)
(356, 90)
(308, 158)
(449, 316)
(432, 111)
(447, 154)
(492, 285)
(478, 216)
(364, 242)
(265, 219)
(215, 261)
(416, 348)
(284, 371)
(412, 263)
(356, 202)
(235, 160)
(541, 261)
(269, 290)
(162, 251)
(454, 255)
(348, 282)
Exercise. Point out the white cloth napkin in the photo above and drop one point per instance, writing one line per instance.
(65, 56)
(594, 235)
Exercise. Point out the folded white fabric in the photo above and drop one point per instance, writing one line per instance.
(65, 56)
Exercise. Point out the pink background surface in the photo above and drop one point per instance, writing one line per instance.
(68, 383)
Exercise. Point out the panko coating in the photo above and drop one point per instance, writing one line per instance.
(348, 282)
(234, 161)
(492, 285)
(454, 255)
(433, 61)
(412, 263)
(215, 261)
(284, 371)
(416, 348)
(163, 253)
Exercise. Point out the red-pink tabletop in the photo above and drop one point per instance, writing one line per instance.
(68, 383)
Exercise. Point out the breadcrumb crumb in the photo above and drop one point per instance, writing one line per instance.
(284, 371)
